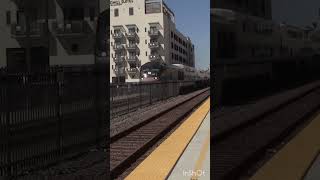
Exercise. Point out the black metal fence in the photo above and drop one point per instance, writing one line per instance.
(46, 117)
(125, 98)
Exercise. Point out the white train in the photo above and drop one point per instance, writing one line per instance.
(189, 78)
(156, 71)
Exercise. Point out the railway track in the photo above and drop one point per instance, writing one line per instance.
(129, 145)
(238, 150)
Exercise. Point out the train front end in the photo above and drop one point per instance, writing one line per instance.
(151, 72)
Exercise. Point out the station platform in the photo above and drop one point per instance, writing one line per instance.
(185, 154)
(299, 159)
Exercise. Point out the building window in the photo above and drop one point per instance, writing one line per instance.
(75, 47)
(146, 53)
(146, 41)
(131, 42)
(131, 11)
(131, 30)
(73, 14)
(152, 6)
(253, 52)
(116, 12)
(20, 17)
(8, 17)
(131, 54)
(244, 27)
(92, 14)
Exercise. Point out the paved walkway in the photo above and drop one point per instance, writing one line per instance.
(298, 159)
(195, 161)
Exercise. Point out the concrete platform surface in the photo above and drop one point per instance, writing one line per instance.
(314, 171)
(195, 161)
(298, 159)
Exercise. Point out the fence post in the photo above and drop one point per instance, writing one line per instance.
(59, 82)
(172, 89)
(111, 104)
(162, 91)
(98, 98)
(8, 130)
(128, 103)
(150, 95)
(140, 95)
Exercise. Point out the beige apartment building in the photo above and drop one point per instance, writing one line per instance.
(142, 31)
(36, 34)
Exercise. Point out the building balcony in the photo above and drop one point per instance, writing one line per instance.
(73, 28)
(131, 35)
(154, 45)
(132, 47)
(132, 70)
(154, 57)
(118, 47)
(132, 59)
(37, 30)
(119, 71)
(117, 35)
(119, 59)
(154, 33)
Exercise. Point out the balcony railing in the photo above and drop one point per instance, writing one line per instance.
(118, 47)
(154, 57)
(131, 35)
(132, 70)
(117, 35)
(36, 30)
(154, 45)
(119, 71)
(132, 47)
(73, 28)
(153, 33)
(119, 59)
(132, 59)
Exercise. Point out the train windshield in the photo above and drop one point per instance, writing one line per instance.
(151, 70)
(150, 73)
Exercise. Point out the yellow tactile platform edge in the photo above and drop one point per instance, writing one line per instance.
(162, 160)
(202, 156)
(294, 159)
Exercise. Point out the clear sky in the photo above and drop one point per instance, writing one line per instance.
(193, 19)
(296, 12)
